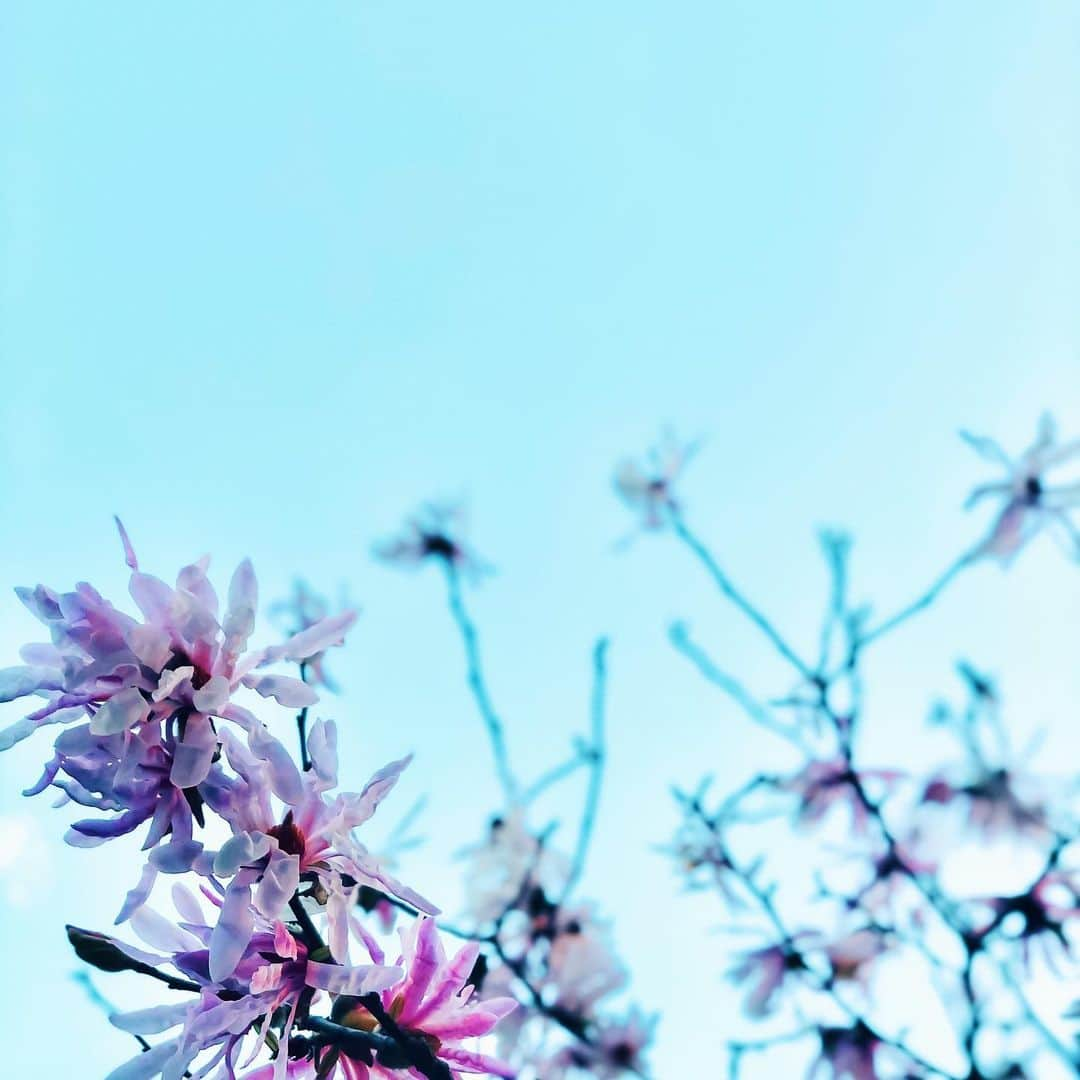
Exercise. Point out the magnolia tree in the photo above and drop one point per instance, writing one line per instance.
(258, 906)
(873, 882)
(283, 947)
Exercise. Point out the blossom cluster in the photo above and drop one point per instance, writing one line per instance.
(268, 945)
(552, 953)
(876, 888)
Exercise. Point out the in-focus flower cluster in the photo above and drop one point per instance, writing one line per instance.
(264, 951)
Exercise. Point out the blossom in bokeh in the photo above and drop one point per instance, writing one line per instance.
(998, 802)
(847, 1053)
(509, 863)
(435, 532)
(1030, 503)
(765, 970)
(582, 965)
(617, 1046)
(648, 488)
(1037, 916)
(822, 784)
(301, 610)
(851, 956)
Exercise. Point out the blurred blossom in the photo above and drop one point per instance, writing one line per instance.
(1029, 502)
(435, 532)
(509, 863)
(301, 610)
(648, 487)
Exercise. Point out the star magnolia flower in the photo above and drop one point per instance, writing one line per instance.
(582, 967)
(175, 668)
(302, 610)
(995, 805)
(1037, 917)
(648, 489)
(507, 866)
(273, 972)
(821, 785)
(766, 969)
(1030, 503)
(270, 852)
(432, 533)
(435, 1002)
(617, 1046)
(847, 1054)
(851, 957)
(128, 774)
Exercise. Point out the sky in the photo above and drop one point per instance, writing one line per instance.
(272, 274)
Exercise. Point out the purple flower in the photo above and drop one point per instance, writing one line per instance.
(1029, 503)
(311, 839)
(174, 669)
(128, 776)
(507, 865)
(272, 971)
(433, 533)
(995, 801)
(435, 1001)
(582, 966)
(847, 1053)
(302, 610)
(647, 488)
(766, 970)
(617, 1046)
(821, 785)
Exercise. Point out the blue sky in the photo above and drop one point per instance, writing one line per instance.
(271, 274)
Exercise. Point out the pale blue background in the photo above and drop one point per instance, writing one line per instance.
(270, 273)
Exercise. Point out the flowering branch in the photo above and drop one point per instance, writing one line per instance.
(904, 882)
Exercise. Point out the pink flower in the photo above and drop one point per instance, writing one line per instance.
(302, 610)
(616, 1046)
(847, 1054)
(851, 957)
(821, 785)
(1036, 918)
(272, 972)
(435, 1002)
(647, 488)
(434, 532)
(995, 805)
(175, 669)
(1029, 503)
(766, 969)
(272, 851)
(582, 966)
(507, 865)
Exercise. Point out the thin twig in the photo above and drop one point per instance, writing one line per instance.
(679, 636)
(596, 767)
(478, 684)
(923, 602)
(301, 724)
(555, 774)
(727, 587)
